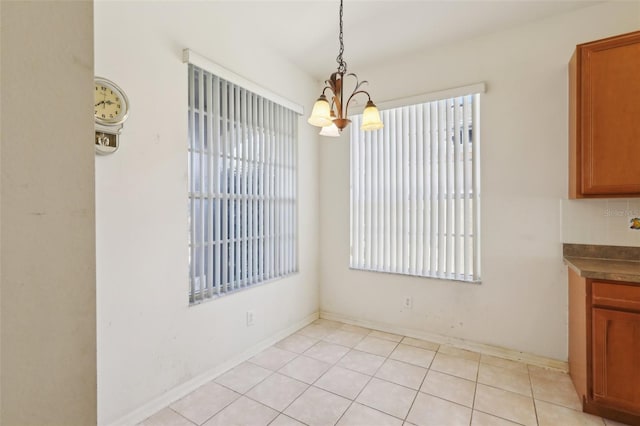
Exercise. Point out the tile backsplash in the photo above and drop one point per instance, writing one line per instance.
(602, 221)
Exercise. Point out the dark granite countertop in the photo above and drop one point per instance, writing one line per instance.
(613, 263)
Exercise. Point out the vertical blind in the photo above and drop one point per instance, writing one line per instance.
(415, 191)
(242, 187)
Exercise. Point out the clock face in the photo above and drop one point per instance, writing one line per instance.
(110, 104)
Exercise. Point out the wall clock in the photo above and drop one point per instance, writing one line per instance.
(111, 109)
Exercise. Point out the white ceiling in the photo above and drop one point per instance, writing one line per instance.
(306, 31)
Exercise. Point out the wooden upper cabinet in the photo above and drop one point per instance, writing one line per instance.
(604, 115)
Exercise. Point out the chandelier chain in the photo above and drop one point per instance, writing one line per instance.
(342, 65)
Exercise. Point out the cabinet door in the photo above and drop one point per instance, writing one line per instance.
(610, 111)
(616, 358)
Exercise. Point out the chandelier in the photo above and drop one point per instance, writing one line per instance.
(333, 117)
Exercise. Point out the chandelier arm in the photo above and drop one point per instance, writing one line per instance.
(358, 82)
(325, 89)
(357, 92)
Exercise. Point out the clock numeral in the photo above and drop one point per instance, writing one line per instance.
(102, 115)
(117, 112)
(117, 99)
(118, 105)
(110, 115)
(95, 112)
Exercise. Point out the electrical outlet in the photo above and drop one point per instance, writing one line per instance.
(408, 302)
(250, 318)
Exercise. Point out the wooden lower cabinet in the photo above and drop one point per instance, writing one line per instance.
(616, 358)
(604, 347)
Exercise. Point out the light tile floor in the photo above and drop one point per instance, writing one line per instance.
(330, 373)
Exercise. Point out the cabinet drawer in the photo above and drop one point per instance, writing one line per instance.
(612, 295)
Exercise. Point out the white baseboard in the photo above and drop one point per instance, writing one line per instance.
(186, 388)
(497, 351)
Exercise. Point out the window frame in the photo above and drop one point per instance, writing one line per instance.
(242, 164)
(370, 226)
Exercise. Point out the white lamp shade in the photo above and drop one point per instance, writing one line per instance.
(331, 131)
(321, 113)
(371, 118)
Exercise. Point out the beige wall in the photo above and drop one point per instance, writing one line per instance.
(48, 332)
(522, 301)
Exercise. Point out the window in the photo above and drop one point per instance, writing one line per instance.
(242, 187)
(415, 191)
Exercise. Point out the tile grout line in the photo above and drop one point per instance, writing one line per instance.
(419, 387)
(371, 377)
(397, 384)
(272, 372)
(333, 365)
(189, 420)
(298, 355)
(294, 400)
(280, 413)
(322, 375)
(275, 409)
(533, 399)
(240, 394)
(366, 384)
(501, 418)
(475, 391)
(332, 330)
(473, 409)
(421, 384)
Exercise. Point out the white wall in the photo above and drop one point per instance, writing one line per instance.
(602, 221)
(149, 339)
(522, 302)
(48, 311)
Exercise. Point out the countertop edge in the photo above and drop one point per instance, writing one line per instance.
(577, 264)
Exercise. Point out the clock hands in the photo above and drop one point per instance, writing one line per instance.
(105, 103)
